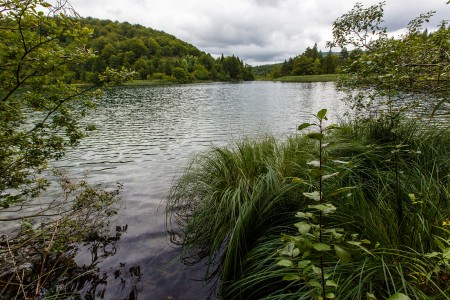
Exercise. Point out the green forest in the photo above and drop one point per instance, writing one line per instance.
(154, 54)
(310, 62)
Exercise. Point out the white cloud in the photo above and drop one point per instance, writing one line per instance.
(258, 31)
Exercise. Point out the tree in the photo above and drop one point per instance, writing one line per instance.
(200, 72)
(303, 65)
(312, 53)
(181, 75)
(360, 27)
(40, 109)
(329, 63)
(142, 68)
(286, 68)
(134, 46)
(343, 55)
(232, 66)
(412, 65)
(40, 113)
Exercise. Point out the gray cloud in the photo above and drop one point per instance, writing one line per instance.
(258, 31)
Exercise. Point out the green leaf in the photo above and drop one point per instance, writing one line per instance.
(303, 126)
(303, 215)
(27, 224)
(412, 197)
(336, 235)
(325, 208)
(288, 250)
(331, 283)
(341, 190)
(354, 243)
(332, 126)
(321, 247)
(316, 270)
(315, 136)
(314, 163)
(298, 180)
(291, 277)
(322, 113)
(370, 296)
(325, 177)
(399, 296)
(446, 254)
(314, 195)
(440, 103)
(439, 244)
(303, 227)
(320, 207)
(341, 162)
(330, 296)
(303, 264)
(314, 283)
(285, 263)
(343, 254)
(432, 254)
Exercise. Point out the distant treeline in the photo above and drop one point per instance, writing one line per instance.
(153, 54)
(310, 62)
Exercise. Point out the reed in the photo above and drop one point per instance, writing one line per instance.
(232, 204)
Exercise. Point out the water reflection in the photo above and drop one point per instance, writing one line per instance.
(57, 274)
(145, 137)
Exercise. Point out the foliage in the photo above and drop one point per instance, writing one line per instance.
(312, 251)
(40, 110)
(311, 62)
(415, 65)
(154, 54)
(247, 196)
(41, 114)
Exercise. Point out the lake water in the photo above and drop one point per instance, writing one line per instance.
(146, 135)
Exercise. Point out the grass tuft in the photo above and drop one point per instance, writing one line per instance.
(232, 204)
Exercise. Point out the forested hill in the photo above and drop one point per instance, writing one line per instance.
(154, 54)
(310, 62)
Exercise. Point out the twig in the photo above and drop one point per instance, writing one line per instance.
(16, 269)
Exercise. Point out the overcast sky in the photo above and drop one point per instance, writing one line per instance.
(258, 31)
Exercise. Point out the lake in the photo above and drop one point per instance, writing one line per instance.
(146, 136)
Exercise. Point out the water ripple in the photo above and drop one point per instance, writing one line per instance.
(146, 135)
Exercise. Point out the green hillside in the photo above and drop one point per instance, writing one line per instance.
(154, 54)
(310, 62)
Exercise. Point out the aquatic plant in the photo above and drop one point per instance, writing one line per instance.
(236, 207)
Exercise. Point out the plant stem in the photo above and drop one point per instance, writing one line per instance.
(321, 213)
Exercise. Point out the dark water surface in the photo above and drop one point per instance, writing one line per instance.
(146, 135)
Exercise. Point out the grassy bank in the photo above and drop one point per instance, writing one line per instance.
(152, 82)
(303, 78)
(237, 207)
(309, 78)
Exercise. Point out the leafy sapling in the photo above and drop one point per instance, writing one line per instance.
(315, 249)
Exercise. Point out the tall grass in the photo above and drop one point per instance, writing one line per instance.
(232, 205)
(231, 195)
